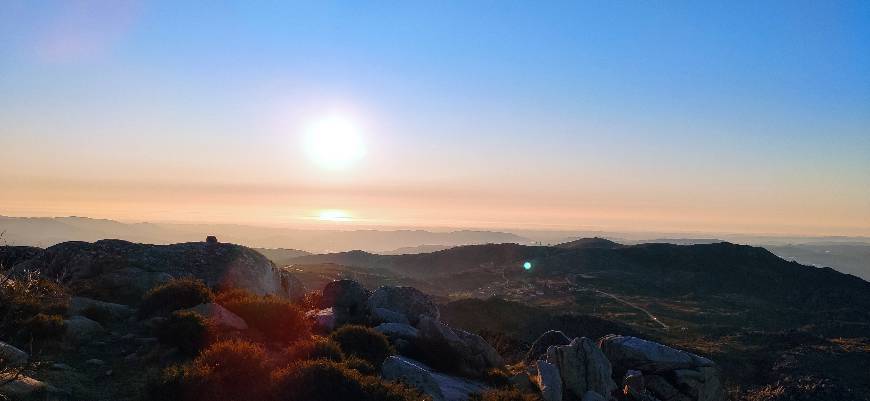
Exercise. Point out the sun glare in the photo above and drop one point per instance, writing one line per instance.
(334, 215)
(334, 142)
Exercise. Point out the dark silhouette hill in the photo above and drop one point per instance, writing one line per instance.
(661, 270)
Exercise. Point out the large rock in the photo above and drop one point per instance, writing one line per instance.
(544, 341)
(80, 329)
(121, 271)
(439, 386)
(701, 384)
(408, 301)
(322, 319)
(11, 355)
(548, 380)
(348, 299)
(476, 355)
(82, 306)
(397, 330)
(626, 352)
(19, 387)
(583, 368)
(593, 396)
(382, 315)
(219, 316)
(663, 389)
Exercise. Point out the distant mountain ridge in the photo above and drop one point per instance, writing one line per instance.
(48, 231)
(662, 270)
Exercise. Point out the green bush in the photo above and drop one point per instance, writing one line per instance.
(186, 330)
(174, 295)
(323, 380)
(505, 395)
(314, 348)
(364, 343)
(43, 327)
(278, 319)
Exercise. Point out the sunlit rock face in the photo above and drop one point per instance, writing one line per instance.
(121, 271)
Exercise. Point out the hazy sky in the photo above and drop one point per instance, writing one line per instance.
(714, 116)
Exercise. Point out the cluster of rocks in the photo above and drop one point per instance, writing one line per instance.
(581, 369)
(409, 318)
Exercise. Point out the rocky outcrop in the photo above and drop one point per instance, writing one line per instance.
(544, 341)
(668, 374)
(79, 329)
(548, 380)
(11, 355)
(439, 386)
(219, 316)
(348, 300)
(408, 301)
(476, 355)
(626, 352)
(82, 305)
(121, 271)
(395, 331)
(382, 315)
(583, 367)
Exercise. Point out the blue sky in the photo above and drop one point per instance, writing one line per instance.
(614, 113)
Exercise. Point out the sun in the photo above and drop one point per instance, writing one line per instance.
(334, 142)
(334, 215)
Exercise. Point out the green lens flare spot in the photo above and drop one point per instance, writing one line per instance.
(527, 265)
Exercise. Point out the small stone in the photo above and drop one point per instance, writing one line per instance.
(95, 362)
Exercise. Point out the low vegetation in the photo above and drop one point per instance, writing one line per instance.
(174, 295)
(277, 319)
(188, 331)
(364, 343)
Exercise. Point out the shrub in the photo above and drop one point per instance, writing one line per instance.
(171, 383)
(315, 348)
(43, 327)
(278, 319)
(312, 300)
(186, 330)
(227, 370)
(174, 295)
(360, 365)
(329, 381)
(231, 370)
(364, 343)
(505, 395)
(497, 377)
(22, 298)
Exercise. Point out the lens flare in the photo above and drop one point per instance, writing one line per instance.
(527, 265)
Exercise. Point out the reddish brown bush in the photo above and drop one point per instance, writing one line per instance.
(324, 380)
(314, 348)
(278, 319)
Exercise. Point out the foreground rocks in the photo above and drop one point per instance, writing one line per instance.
(668, 374)
(583, 368)
(407, 301)
(348, 300)
(439, 386)
(474, 353)
(11, 355)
